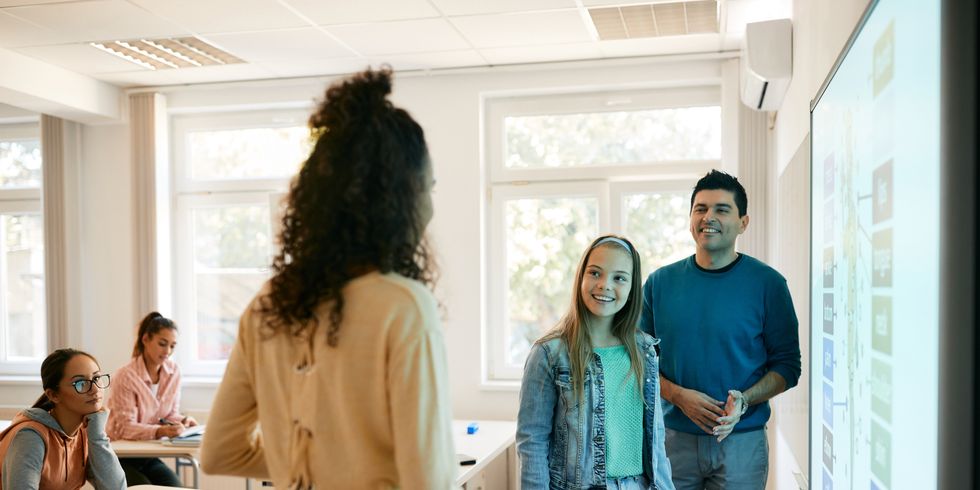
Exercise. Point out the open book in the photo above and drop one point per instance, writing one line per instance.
(190, 437)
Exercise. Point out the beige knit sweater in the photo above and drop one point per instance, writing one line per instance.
(373, 412)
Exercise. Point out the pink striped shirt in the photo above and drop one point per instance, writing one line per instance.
(134, 412)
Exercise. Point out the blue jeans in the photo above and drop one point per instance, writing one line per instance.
(638, 482)
(700, 462)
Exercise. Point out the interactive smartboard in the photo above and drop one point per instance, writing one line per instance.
(875, 255)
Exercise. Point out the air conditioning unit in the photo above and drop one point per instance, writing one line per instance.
(767, 63)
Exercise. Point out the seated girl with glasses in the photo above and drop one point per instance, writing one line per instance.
(145, 402)
(60, 442)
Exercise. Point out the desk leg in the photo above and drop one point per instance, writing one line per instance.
(194, 466)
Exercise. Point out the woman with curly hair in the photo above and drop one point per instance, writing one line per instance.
(338, 378)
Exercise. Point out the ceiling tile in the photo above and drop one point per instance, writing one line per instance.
(80, 58)
(18, 32)
(213, 16)
(653, 46)
(542, 54)
(524, 29)
(433, 60)
(19, 3)
(348, 12)
(103, 20)
(410, 36)
(286, 44)
(474, 7)
(314, 68)
(206, 74)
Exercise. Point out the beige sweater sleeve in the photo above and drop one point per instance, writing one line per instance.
(420, 407)
(232, 444)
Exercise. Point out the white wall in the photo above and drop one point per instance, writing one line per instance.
(820, 31)
(448, 106)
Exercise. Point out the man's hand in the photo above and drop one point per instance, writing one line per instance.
(189, 421)
(734, 408)
(700, 408)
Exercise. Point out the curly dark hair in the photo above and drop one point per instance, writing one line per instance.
(353, 208)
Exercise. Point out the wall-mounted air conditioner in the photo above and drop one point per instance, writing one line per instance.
(767, 63)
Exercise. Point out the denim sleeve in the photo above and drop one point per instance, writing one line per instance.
(535, 419)
(781, 333)
(664, 473)
(646, 316)
(25, 457)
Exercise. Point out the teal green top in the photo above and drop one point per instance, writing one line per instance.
(624, 414)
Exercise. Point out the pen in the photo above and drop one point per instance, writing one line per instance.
(164, 421)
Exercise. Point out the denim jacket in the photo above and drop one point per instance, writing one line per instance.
(561, 442)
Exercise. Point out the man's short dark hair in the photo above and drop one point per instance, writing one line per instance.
(720, 180)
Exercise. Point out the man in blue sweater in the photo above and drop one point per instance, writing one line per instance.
(729, 342)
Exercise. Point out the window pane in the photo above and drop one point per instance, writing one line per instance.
(22, 270)
(20, 164)
(545, 239)
(247, 153)
(231, 237)
(610, 138)
(657, 224)
(221, 299)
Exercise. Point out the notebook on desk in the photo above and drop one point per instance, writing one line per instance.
(190, 437)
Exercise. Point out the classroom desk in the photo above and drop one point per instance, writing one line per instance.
(493, 444)
(156, 449)
(494, 440)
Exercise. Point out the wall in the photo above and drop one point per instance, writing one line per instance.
(820, 31)
(448, 106)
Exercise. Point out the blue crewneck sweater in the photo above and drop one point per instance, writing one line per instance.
(721, 331)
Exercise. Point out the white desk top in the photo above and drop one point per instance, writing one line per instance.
(492, 439)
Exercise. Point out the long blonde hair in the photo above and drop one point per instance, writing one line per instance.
(574, 327)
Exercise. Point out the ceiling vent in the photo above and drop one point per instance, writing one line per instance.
(164, 54)
(655, 20)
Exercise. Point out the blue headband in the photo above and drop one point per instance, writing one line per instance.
(612, 239)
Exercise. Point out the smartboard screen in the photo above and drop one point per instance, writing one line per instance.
(875, 256)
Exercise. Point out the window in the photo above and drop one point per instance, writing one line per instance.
(230, 170)
(23, 327)
(565, 169)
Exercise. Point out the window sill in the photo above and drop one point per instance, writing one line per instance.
(19, 380)
(200, 381)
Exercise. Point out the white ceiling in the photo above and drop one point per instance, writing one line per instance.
(293, 38)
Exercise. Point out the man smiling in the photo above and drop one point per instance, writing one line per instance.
(729, 341)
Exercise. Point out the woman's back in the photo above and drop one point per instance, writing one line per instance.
(371, 412)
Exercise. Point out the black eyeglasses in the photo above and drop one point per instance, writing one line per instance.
(83, 386)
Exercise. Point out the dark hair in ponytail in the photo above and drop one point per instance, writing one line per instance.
(150, 325)
(53, 371)
(353, 207)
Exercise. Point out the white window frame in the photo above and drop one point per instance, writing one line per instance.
(609, 183)
(188, 194)
(14, 201)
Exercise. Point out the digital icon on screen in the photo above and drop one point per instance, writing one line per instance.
(881, 389)
(881, 258)
(828, 449)
(883, 186)
(828, 405)
(828, 267)
(881, 454)
(881, 324)
(828, 313)
(884, 59)
(828, 359)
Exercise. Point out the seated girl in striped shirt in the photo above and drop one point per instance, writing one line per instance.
(145, 400)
